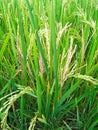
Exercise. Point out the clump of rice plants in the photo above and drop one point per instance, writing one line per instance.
(48, 65)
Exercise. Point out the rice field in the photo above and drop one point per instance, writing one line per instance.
(48, 64)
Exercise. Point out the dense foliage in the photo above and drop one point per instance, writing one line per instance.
(49, 64)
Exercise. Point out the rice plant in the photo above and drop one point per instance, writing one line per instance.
(48, 65)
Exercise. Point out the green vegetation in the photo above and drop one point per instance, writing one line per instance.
(48, 64)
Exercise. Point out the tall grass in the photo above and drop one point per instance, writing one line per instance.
(48, 64)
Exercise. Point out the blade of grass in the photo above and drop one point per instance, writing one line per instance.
(38, 90)
(53, 32)
(67, 94)
(24, 52)
(4, 45)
